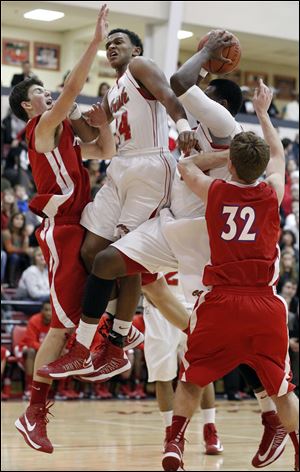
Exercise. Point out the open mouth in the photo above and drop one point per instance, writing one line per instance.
(49, 102)
(113, 54)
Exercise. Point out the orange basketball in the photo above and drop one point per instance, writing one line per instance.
(217, 67)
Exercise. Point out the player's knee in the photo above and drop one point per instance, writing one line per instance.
(87, 254)
(109, 264)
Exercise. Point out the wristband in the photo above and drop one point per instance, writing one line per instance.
(75, 112)
(182, 125)
(203, 72)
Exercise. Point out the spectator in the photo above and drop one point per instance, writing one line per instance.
(273, 111)
(288, 240)
(294, 347)
(247, 106)
(93, 168)
(34, 282)
(13, 140)
(16, 244)
(103, 88)
(26, 74)
(8, 207)
(22, 198)
(291, 110)
(288, 292)
(37, 328)
(288, 270)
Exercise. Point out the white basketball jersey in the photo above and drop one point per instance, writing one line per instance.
(141, 121)
(184, 203)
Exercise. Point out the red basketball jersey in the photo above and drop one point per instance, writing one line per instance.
(62, 182)
(243, 227)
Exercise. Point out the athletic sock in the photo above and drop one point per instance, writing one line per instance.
(85, 333)
(209, 415)
(167, 417)
(39, 392)
(265, 402)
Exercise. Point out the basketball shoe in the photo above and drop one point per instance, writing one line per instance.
(76, 362)
(108, 360)
(32, 425)
(134, 338)
(167, 436)
(273, 441)
(172, 458)
(212, 443)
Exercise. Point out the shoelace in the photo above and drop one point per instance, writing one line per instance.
(43, 412)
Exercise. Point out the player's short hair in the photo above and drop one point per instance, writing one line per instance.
(228, 90)
(19, 94)
(134, 38)
(250, 155)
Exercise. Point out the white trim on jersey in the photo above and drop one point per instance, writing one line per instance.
(63, 180)
(283, 389)
(238, 184)
(54, 262)
(276, 267)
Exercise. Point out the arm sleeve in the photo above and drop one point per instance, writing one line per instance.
(218, 120)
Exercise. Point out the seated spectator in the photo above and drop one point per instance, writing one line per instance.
(273, 111)
(34, 282)
(22, 198)
(289, 293)
(291, 110)
(288, 269)
(247, 105)
(14, 144)
(16, 245)
(294, 347)
(103, 88)
(8, 207)
(37, 328)
(288, 240)
(26, 74)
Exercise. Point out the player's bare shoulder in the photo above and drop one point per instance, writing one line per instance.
(141, 64)
(276, 181)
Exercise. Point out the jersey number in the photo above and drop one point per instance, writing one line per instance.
(123, 127)
(247, 214)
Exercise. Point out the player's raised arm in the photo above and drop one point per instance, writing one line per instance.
(152, 78)
(208, 160)
(73, 85)
(188, 74)
(275, 170)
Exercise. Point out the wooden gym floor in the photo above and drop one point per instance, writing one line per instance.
(127, 435)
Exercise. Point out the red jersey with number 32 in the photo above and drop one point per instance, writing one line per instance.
(243, 227)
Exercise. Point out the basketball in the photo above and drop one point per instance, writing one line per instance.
(218, 67)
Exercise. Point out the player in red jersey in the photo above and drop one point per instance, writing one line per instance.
(243, 226)
(63, 191)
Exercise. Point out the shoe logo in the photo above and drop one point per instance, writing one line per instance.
(36, 388)
(120, 327)
(29, 426)
(87, 363)
(264, 456)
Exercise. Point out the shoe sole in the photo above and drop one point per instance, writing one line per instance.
(171, 461)
(29, 441)
(104, 377)
(212, 451)
(272, 459)
(63, 375)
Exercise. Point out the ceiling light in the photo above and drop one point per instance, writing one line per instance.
(184, 34)
(43, 15)
(101, 53)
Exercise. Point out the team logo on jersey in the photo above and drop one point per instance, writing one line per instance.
(75, 141)
(119, 101)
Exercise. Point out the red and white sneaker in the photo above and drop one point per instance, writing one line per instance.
(167, 436)
(172, 458)
(108, 360)
(273, 441)
(32, 425)
(296, 462)
(77, 361)
(138, 392)
(134, 338)
(212, 443)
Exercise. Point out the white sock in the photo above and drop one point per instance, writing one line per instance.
(121, 327)
(209, 415)
(85, 333)
(265, 402)
(112, 307)
(167, 417)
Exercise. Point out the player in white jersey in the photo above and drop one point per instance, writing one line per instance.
(139, 179)
(163, 347)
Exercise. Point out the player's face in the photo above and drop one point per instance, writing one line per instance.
(40, 99)
(210, 92)
(119, 50)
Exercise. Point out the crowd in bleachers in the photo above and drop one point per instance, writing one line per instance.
(25, 288)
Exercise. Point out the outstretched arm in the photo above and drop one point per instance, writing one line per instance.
(275, 170)
(51, 119)
(208, 160)
(195, 179)
(104, 147)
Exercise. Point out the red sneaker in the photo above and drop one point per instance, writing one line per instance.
(296, 462)
(125, 392)
(273, 441)
(102, 391)
(134, 338)
(138, 393)
(172, 458)
(167, 436)
(77, 361)
(108, 360)
(32, 425)
(212, 443)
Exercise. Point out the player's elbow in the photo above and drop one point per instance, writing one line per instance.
(178, 84)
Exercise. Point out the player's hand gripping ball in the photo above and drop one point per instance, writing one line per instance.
(222, 46)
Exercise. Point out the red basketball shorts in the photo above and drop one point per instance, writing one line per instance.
(232, 326)
(60, 240)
